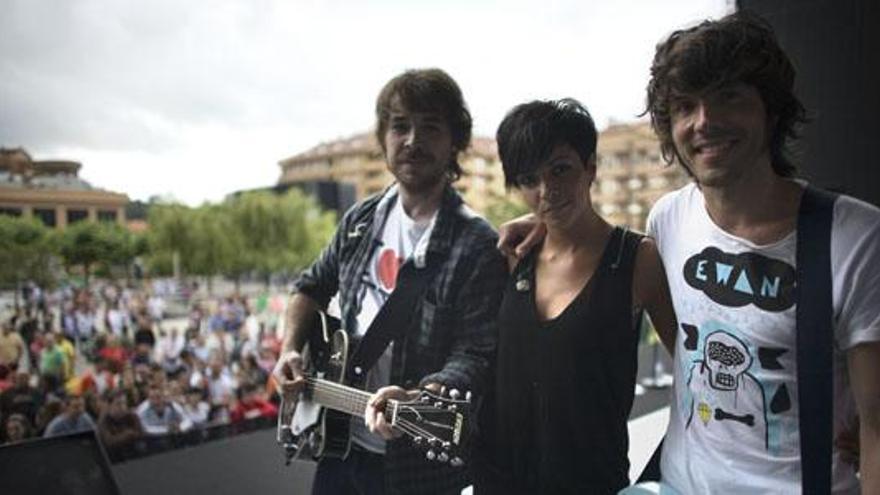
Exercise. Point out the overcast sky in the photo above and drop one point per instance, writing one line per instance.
(196, 99)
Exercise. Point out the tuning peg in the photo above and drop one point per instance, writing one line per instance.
(433, 442)
(467, 396)
(447, 445)
(418, 440)
(439, 404)
(456, 462)
(454, 393)
(452, 407)
(443, 457)
(431, 455)
(442, 390)
(424, 398)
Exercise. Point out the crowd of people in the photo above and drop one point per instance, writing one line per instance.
(107, 358)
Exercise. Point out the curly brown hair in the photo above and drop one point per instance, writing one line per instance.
(427, 90)
(739, 48)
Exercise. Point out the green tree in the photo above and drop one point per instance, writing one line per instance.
(172, 230)
(90, 245)
(26, 248)
(504, 208)
(278, 234)
(219, 243)
(259, 233)
(126, 246)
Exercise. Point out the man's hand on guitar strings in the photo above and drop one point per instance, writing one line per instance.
(374, 415)
(288, 373)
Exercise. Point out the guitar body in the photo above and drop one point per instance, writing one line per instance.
(324, 432)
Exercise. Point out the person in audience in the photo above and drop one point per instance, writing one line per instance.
(53, 360)
(51, 409)
(196, 408)
(73, 419)
(12, 346)
(252, 404)
(159, 416)
(221, 386)
(6, 379)
(119, 427)
(21, 398)
(17, 428)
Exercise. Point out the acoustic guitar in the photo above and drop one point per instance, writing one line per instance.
(317, 423)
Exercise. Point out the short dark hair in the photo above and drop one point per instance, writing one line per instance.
(427, 90)
(530, 131)
(738, 48)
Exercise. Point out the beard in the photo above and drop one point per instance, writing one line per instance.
(419, 170)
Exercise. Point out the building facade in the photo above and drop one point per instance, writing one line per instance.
(53, 192)
(630, 173)
(358, 161)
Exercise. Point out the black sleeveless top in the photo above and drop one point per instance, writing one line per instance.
(564, 387)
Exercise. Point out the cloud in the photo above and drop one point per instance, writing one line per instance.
(128, 81)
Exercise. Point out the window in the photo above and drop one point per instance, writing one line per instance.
(74, 216)
(107, 216)
(46, 215)
(10, 211)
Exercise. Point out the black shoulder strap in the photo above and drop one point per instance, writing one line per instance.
(815, 338)
(393, 318)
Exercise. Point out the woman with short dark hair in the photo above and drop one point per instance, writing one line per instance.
(569, 322)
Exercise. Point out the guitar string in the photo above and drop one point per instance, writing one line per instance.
(408, 427)
(358, 397)
(411, 428)
(425, 434)
(404, 425)
(355, 404)
(415, 432)
(355, 401)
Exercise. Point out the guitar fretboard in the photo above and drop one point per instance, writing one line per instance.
(339, 397)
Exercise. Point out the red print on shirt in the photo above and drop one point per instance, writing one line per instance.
(387, 268)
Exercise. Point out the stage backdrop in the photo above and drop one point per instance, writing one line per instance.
(832, 44)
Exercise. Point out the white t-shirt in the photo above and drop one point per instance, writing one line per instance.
(117, 319)
(401, 239)
(734, 416)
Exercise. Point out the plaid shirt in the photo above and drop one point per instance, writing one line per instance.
(452, 336)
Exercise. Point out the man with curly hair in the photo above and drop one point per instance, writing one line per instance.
(722, 103)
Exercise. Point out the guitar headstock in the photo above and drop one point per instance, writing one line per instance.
(437, 423)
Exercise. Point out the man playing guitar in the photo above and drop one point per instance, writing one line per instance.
(418, 242)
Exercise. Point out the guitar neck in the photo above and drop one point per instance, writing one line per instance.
(339, 397)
